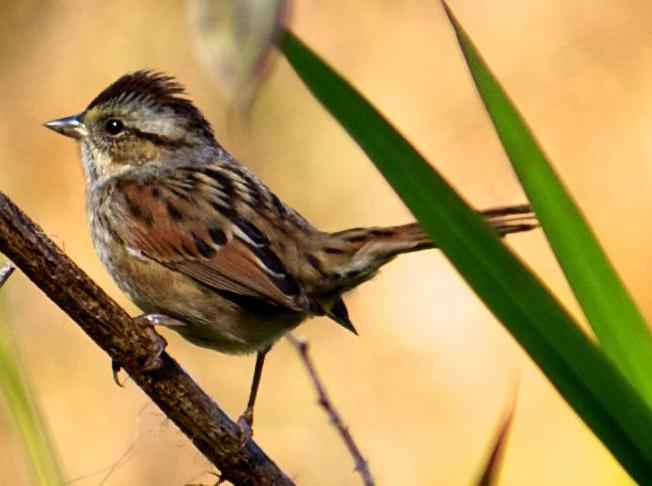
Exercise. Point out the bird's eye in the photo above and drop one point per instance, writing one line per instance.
(114, 126)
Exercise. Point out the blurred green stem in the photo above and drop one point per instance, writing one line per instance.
(43, 461)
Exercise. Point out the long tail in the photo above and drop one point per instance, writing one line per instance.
(393, 240)
(356, 254)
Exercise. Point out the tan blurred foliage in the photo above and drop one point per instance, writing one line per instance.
(423, 386)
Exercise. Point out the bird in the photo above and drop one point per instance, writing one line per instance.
(200, 244)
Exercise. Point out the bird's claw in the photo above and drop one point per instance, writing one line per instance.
(153, 349)
(115, 368)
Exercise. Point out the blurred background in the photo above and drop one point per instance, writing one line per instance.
(424, 385)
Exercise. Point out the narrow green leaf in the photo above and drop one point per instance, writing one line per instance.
(615, 319)
(44, 465)
(581, 372)
(39, 449)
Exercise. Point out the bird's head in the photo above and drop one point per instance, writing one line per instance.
(140, 120)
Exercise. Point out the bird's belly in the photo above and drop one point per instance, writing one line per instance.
(218, 320)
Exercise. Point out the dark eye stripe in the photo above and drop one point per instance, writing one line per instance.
(157, 139)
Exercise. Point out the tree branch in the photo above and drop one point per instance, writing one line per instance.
(130, 346)
(325, 402)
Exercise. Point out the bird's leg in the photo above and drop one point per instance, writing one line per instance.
(246, 420)
(158, 344)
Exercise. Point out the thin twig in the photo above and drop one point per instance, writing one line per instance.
(130, 345)
(5, 272)
(324, 401)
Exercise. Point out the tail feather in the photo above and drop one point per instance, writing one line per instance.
(405, 238)
(356, 254)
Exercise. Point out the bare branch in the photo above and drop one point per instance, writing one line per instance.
(131, 346)
(360, 464)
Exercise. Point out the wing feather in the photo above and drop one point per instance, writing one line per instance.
(178, 223)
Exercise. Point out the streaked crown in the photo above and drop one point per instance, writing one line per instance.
(142, 117)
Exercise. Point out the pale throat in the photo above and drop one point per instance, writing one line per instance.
(98, 164)
(88, 163)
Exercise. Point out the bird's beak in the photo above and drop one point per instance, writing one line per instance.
(70, 126)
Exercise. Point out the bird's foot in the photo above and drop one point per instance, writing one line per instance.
(151, 360)
(155, 347)
(245, 426)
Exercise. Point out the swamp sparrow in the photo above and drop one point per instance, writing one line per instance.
(199, 243)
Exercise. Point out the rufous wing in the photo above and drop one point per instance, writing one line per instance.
(192, 231)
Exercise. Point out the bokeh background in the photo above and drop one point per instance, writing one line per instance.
(424, 385)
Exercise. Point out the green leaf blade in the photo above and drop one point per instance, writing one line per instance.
(581, 372)
(614, 317)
